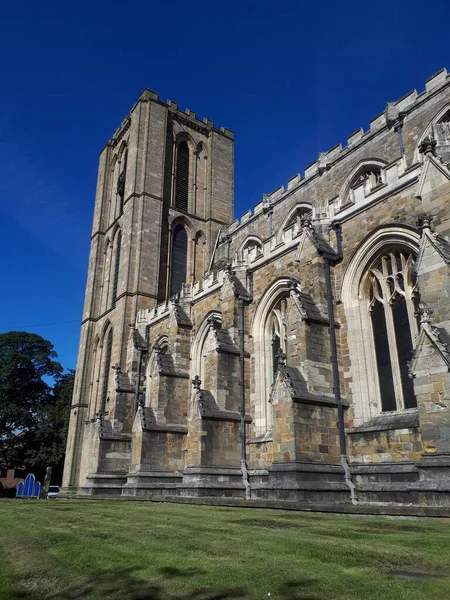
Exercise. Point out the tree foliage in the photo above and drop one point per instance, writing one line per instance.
(33, 414)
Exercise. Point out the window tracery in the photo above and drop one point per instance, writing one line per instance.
(392, 294)
(275, 340)
(379, 295)
(368, 178)
(296, 217)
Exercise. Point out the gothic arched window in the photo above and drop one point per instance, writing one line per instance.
(274, 341)
(179, 259)
(368, 178)
(182, 177)
(116, 267)
(295, 218)
(361, 182)
(107, 350)
(391, 305)
(379, 295)
(269, 338)
(122, 180)
(199, 255)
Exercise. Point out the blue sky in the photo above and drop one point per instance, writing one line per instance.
(289, 78)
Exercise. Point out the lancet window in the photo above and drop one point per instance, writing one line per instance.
(116, 267)
(274, 341)
(182, 177)
(122, 180)
(179, 259)
(269, 335)
(107, 351)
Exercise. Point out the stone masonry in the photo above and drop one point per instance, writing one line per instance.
(304, 357)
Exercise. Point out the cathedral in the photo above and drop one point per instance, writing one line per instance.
(294, 357)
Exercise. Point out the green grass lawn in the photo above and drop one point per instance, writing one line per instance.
(130, 550)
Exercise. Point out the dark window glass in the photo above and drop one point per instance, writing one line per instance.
(276, 345)
(116, 268)
(179, 259)
(121, 182)
(391, 284)
(389, 265)
(106, 370)
(404, 348)
(383, 357)
(182, 182)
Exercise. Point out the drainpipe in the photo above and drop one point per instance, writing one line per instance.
(398, 126)
(335, 368)
(242, 400)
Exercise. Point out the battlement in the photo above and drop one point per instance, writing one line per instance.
(392, 113)
(188, 117)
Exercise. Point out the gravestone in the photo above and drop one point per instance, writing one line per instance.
(46, 484)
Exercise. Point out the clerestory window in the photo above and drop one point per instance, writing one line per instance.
(368, 178)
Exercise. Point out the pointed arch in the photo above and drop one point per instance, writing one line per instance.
(107, 344)
(179, 256)
(199, 259)
(364, 177)
(441, 116)
(378, 295)
(115, 264)
(295, 214)
(200, 184)
(198, 356)
(269, 337)
(95, 364)
(250, 248)
(122, 178)
(182, 172)
(439, 130)
(106, 274)
(160, 347)
(101, 370)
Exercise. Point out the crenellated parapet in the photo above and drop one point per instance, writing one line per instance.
(394, 113)
(187, 117)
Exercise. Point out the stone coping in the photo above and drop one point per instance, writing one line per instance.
(388, 421)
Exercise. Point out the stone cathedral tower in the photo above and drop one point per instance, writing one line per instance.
(164, 191)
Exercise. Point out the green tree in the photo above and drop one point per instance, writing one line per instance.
(33, 415)
(46, 441)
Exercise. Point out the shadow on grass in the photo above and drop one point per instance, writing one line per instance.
(124, 584)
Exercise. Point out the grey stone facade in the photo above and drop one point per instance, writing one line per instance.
(304, 359)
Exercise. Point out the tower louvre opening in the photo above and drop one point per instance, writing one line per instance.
(182, 187)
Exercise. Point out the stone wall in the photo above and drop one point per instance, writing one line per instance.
(387, 191)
